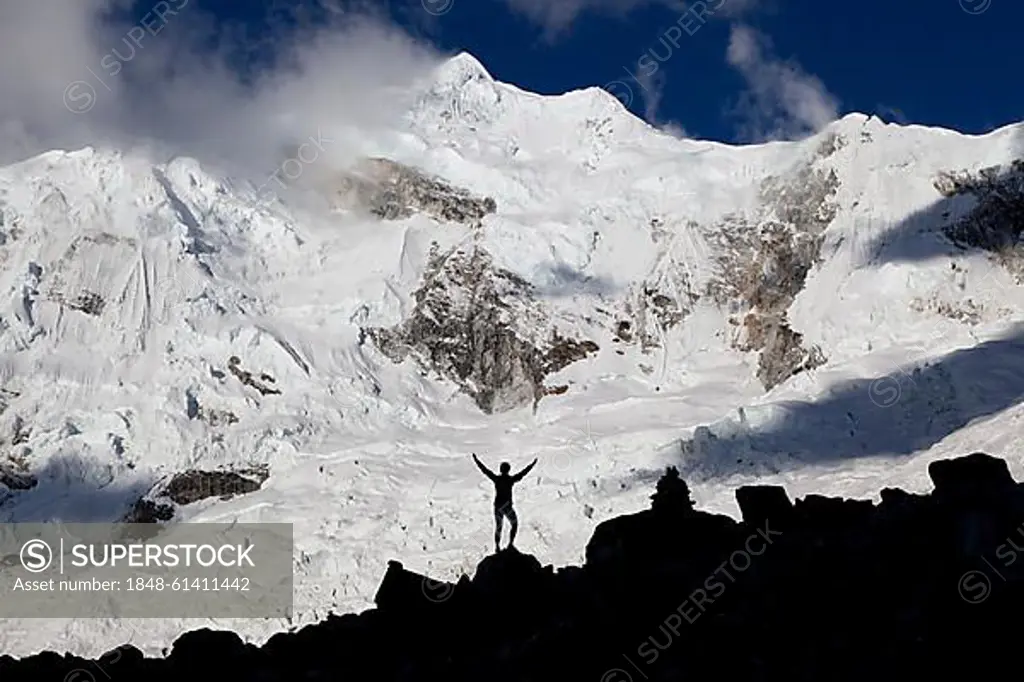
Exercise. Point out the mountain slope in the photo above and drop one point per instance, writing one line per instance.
(518, 276)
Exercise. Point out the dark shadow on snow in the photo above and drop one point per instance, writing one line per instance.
(912, 408)
(564, 281)
(985, 216)
(64, 490)
(906, 411)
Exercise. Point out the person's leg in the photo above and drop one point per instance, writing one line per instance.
(513, 524)
(497, 528)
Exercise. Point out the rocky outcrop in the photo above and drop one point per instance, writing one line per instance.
(782, 350)
(88, 302)
(763, 266)
(972, 478)
(823, 588)
(15, 477)
(667, 296)
(15, 473)
(10, 221)
(215, 417)
(652, 313)
(7, 396)
(249, 379)
(996, 221)
(193, 486)
(466, 327)
(148, 511)
(187, 487)
(211, 415)
(392, 191)
(966, 311)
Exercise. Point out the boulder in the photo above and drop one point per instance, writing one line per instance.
(759, 503)
(975, 476)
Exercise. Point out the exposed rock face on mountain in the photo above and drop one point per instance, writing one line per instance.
(662, 301)
(823, 588)
(15, 471)
(466, 326)
(997, 220)
(15, 477)
(192, 486)
(764, 264)
(261, 384)
(391, 191)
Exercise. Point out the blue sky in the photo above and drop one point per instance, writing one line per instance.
(238, 81)
(952, 63)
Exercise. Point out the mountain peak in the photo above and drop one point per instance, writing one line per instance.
(461, 69)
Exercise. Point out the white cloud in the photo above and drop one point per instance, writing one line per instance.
(653, 88)
(675, 130)
(782, 101)
(153, 85)
(653, 91)
(737, 8)
(556, 16)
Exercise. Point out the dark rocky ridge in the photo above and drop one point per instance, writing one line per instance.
(820, 589)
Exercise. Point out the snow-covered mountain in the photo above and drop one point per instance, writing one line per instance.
(518, 276)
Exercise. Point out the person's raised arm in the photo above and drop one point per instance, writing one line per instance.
(487, 472)
(522, 474)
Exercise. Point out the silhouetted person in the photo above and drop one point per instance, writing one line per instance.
(503, 498)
